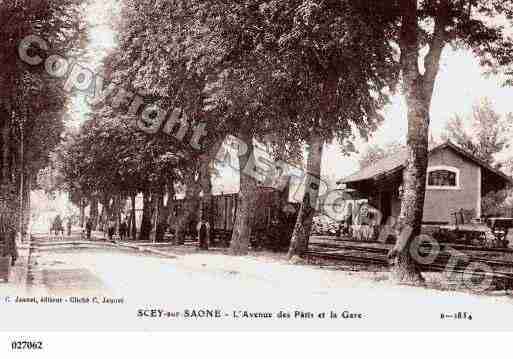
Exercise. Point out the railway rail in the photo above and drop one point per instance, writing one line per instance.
(501, 271)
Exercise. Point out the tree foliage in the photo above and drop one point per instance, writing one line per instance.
(31, 105)
(376, 152)
(488, 134)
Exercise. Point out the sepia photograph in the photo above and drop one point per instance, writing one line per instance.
(255, 165)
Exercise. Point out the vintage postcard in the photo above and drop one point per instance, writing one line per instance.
(292, 165)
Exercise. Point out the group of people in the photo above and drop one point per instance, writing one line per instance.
(110, 228)
(122, 229)
(57, 226)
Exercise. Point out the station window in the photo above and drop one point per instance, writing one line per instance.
(443, 178)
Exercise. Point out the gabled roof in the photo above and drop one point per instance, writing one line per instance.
(398, 160)
(388, 164)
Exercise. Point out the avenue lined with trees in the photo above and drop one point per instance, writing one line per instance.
(291, 75)
(32, 107)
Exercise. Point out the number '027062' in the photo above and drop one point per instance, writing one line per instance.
(26, 345)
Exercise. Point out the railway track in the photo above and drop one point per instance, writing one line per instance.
(443, 246)
(496, 269)
(444, 253)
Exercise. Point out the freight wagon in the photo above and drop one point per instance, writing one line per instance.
(272, 222)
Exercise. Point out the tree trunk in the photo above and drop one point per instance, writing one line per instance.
(190, 206)
(93, 213)
(414, 187)
(418, 91)
(99, 227)
(22, 182)
(106, 213)
(144, 233)
(163, 211)
(26, 206)
(191, 202)
(5, 151)
(157, 200)
(82, 212)
(246, 200)
(116, 209)
(170, 200)
(206, 215)
(303, 227)
(133, 224)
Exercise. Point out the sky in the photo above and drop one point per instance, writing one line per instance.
(460, 85)
(102, 40)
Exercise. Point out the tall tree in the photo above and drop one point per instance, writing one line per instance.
(167, 62)
(32, 106)
(433, 25)
(299, 73)
(89, 167)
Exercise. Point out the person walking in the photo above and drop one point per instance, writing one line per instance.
(123, 229)
(203, 229)
(57, 226)
(89, 228)
(112, 229)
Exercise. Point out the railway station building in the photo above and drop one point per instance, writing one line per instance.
(456, 180)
